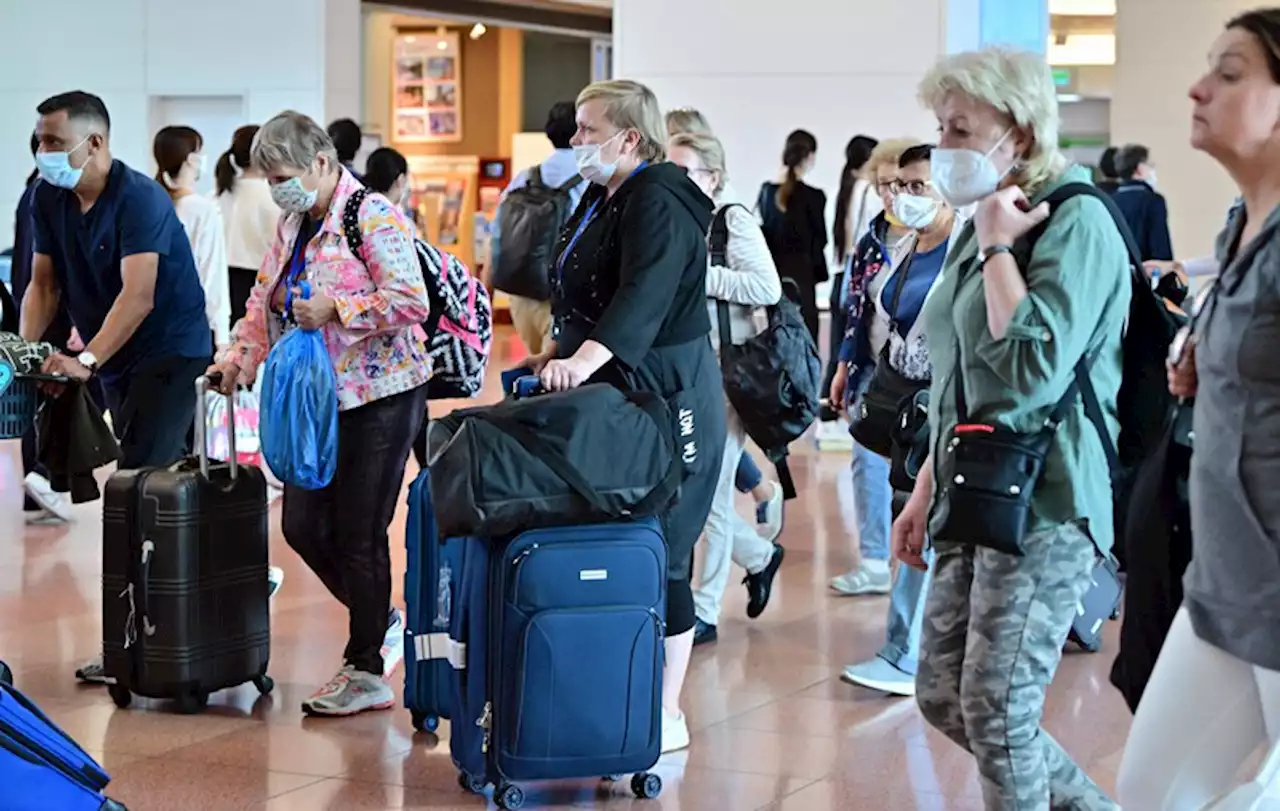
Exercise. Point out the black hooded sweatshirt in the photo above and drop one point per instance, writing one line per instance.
(633, 277)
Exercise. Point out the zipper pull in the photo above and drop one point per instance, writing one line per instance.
(485, 722)
(524, 554)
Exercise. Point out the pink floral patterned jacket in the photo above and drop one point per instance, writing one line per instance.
(377, 343)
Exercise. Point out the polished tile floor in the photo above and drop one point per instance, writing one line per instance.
(773, 726)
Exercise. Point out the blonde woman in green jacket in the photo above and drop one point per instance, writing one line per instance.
(1010, 328)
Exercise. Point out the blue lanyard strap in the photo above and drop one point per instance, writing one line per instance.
(587, 219)
(297, 264)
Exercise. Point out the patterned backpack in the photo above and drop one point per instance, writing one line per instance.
(460, 329)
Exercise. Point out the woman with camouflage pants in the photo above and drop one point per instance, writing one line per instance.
(1009, 322)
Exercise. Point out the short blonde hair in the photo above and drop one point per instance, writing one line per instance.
(886, 153)
(684, 120)
(630, 105)
(290, 140)
(1018, 84)
(708, 149)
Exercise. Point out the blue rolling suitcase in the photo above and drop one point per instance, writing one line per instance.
(40, 767)
(558, 634)
(430, 575)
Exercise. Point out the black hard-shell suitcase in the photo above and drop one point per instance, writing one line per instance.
(184, 577)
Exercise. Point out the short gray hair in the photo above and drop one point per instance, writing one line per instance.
(630, 105)
(1018, 84)
(708, 149)
(684, 120)
(291, 140)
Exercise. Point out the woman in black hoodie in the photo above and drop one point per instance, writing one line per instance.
(629, 302)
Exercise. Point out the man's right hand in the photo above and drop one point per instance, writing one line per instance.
(229, 373)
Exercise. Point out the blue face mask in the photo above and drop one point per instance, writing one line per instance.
(56, 168)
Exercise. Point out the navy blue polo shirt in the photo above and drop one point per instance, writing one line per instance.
(134, 215)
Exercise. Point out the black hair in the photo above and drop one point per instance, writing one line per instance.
(171, 148)
(914, 155)
(856, 154)
(383, 168)
(1107, 163)
(562, 123)
(1129, 159)
(346, 136)
(79, 106)
(1264, 24)
(35, 147)
(224, 174)
(800, 145)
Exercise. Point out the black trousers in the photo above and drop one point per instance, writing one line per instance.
(340, 532)
(835, 339)
(241, 282)
(153, 409)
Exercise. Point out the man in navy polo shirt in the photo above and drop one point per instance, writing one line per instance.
(109, 247)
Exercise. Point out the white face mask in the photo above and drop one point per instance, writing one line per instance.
(202, 163)
(1151, 178)
(915, 211)
(291, 195)
(964, 176)
(590, 165)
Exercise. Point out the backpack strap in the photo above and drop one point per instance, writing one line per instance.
(351, 221)
(718, 236)
(534, 177)
(569, 185)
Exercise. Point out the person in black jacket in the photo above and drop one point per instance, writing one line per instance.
(1143, 207)
(629, 308)
(795, 225)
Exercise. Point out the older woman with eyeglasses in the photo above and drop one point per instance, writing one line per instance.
(1007, 325)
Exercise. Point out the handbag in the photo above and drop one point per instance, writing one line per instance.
(910, 440)
(878, 408)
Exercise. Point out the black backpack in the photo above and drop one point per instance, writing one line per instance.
(1144, 405)
(772, 380)
(530, 220)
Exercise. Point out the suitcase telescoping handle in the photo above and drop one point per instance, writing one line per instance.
(203, 384)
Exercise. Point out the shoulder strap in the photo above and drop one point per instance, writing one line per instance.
(726, 332)
(898, 284)
(535, 175)
(351, 221)
(569, 184)
(718, 236)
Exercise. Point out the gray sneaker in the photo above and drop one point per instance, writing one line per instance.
(862, 581)
(93, 672)
(351, 691)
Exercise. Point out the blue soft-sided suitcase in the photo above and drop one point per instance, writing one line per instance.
(429, 581)
(40, 767)
(559, 637)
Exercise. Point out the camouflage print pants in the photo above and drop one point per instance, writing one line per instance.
(994, 627)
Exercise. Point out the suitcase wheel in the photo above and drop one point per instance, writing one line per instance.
(120, 695)
(470, 784)
(264, 683)
(612, 778)
(646, 785)
(509, 797)
(192, 701)
(425, 721)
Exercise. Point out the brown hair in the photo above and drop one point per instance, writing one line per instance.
(224, 174)
(172, 147)
(800, 145)
(1264, 24)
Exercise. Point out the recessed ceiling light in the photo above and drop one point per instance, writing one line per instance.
(478, 30)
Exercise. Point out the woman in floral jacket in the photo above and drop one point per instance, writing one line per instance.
(369, 309)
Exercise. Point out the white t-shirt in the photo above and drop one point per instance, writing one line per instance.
(250, 217)
(203, 222)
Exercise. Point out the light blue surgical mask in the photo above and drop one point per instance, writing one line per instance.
(55, 167)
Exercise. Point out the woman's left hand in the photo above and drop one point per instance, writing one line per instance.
(562, 375)
(314, 312)
(1003, 217)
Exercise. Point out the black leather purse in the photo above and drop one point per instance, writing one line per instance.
(876, 413)
(910, 439)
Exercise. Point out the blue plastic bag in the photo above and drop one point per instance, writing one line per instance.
(298, 414)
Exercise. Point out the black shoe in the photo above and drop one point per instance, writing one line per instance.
(703, 633)
(827, 414)
(760, 585)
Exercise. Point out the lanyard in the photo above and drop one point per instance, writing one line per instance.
(587, 219)
(297, 264)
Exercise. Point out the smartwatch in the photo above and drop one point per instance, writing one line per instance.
(89, 361)
(986, 254)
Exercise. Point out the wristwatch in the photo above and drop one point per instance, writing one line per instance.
(986, 254)
(88, 360)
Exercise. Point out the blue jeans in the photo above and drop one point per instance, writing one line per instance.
(872, 502)
(906, 616)
(748, 476)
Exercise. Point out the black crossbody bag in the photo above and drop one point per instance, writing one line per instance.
(877, 413)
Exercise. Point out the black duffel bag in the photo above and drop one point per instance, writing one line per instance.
(585, 456)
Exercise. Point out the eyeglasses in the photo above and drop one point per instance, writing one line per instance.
(913, 187)
(886, 186)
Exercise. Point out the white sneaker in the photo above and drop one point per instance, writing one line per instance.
(275, 579)
(771, 512)
(675, 732)
(880, 674)
(349, 692)
(41, 492)
(393, 645)
(862, 581)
